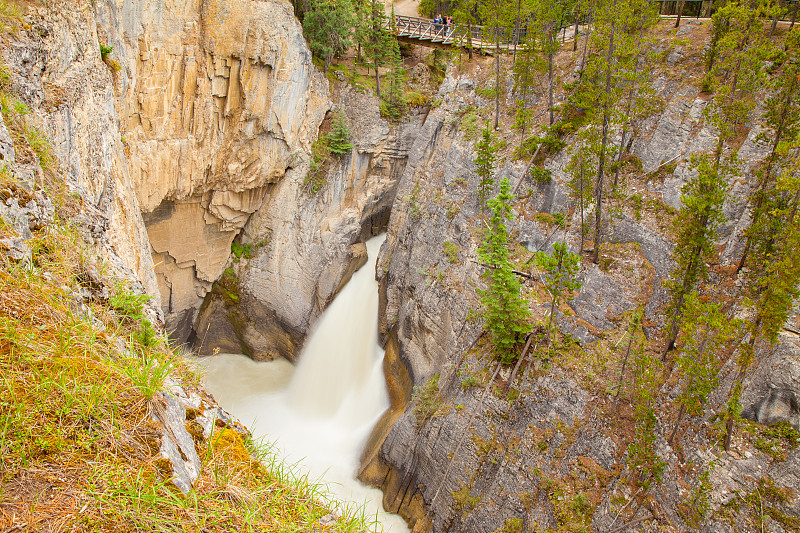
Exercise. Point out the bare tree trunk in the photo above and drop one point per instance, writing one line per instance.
(580, 252)
(377, 78)
(519, 363)
(516, 29)
(577, 20)
(680, 12)
(497, 81)
(585, 48)
(681, 412)
(775, 20)
(550, 78)
(469, 39)
(601, 166)
(767, 172)
(624, 363)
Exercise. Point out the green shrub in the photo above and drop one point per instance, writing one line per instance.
(127, 304)
(450, 251)
(469, 381)
(416, 98)
(489, 93)
(636, 202)
(470, 125)
(541, 175)
(511, 525)
(40, 146)
(240, 250)
(427, 400)
(105, 51)
(463, 501)
(338, 140)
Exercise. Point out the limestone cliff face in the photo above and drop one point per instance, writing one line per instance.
(480, 457)
(58, 73)
(305, 242)
(217, 99)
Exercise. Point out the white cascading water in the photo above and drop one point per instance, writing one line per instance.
(320, 412)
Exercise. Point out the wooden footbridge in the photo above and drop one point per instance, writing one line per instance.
(429, 33)
(426, 32)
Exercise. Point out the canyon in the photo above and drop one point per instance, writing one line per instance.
(191, 157)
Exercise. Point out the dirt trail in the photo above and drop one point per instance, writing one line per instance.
(407, 8)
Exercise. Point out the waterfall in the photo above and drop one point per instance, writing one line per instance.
(321, 412)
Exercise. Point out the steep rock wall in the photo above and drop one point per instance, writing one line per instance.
(305, 241)
(479, 457)
(217, 100)
(58, 72)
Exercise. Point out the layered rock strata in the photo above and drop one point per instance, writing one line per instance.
(217, 100)
(305, 243)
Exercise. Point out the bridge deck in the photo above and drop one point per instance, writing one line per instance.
(425, 31)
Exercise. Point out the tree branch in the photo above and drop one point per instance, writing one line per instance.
(517, 272)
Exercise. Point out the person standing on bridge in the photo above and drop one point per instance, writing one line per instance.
(449, 25)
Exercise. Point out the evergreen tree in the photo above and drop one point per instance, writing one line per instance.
(579, 168)
(706, 330)
(702, 198)
(338, 140)
(328, 27)
(617, 29)
(394, 100)
(634, 331)
(547, 16)
(466, 15)
(377, 41)
(559, 271)
(505, 311)
(775, 287)
(645, 464)
(484, 161)
(496, 15)
(782, 118)
(736, 77)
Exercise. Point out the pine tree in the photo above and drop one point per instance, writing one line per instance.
(505, 311)
(466, 14)
(328, 27)
(484, 161)
(394, 100)
(338, 140)
(496, 15)
(736, 77)
(580, 169)
(706, 331)
(548, 15)
(645, 464)
(617, 28)
(775, 287)
(559, 271)
(702, 198)
(377, 41)
(782, 118)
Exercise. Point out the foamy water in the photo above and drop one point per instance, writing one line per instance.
(319, 413)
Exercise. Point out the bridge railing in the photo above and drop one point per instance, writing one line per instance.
(481, 36)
